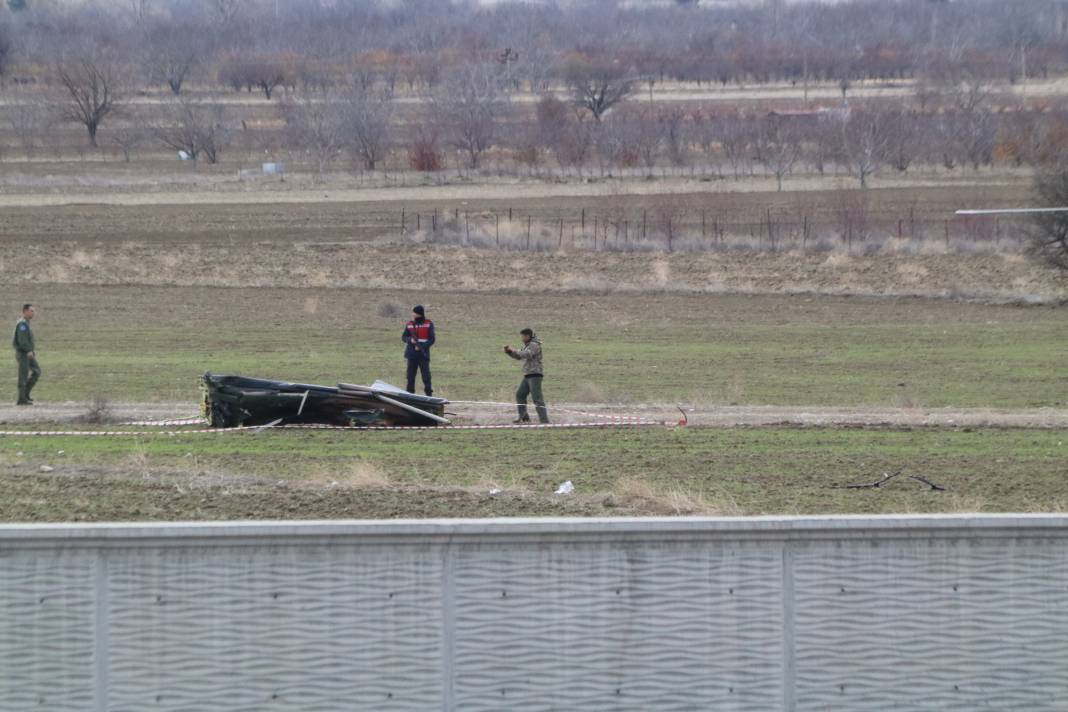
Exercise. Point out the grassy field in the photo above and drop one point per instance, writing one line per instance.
(141, 344)
(152, 344)
(301, 474)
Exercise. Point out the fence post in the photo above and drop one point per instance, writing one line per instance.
(645, 214)
(404, 226)
(467, 227)
(418, 221)
(584, 220)
(560, 237)
(528, 232)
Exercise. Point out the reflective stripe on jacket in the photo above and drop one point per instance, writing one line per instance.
(418, 333)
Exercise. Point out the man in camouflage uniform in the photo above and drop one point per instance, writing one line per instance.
(533, 371)
(25, 355)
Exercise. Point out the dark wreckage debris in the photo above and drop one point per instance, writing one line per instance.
(231, 401)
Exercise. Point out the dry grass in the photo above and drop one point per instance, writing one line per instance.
(98, 411)
(358, 474)
(964, 503)
(638, 494)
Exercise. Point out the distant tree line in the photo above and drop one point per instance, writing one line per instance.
(339, 75)
(262, 44)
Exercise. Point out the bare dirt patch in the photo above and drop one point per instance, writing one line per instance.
(119, 493)
(386, 267)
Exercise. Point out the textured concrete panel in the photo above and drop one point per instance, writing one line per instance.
(633, 627)
(46, 631)
(922, 625)
(834, 613)
(275, 628)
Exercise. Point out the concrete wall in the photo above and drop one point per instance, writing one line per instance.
(902, 613)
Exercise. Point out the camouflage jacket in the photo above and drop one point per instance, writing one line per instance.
(530, 355)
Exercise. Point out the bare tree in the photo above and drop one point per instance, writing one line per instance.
(777, 147)
(824, 141)
(552, 117)
(93, 82)
(369, 126)
(575, 143)
(598, 86)
(1020, 30)
(735, 139)
(617, 140)
(676, 138)
(865, 139)
(705, 135)
(646, 137)
(263, 72)
(973, 125)
(470, 103)
(423, 152)
(30, 118)
(317, 126)
(171, 53)
(902, 130)
(193, 127)
(128, 139)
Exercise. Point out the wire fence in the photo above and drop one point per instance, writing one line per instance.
(672, 229)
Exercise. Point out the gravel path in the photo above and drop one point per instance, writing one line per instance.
(717, 416)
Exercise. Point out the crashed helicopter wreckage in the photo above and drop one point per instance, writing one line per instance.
(232, 401)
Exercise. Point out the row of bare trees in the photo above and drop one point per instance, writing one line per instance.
(472, 117)
(261, 45)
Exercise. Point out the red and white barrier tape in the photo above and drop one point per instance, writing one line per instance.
(261, 428)
(197, 420)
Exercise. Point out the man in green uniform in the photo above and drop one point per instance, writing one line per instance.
(533, 371)
(25, 355)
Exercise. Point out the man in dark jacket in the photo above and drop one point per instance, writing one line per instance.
(533, 371)
(418, 337)
(25, 355)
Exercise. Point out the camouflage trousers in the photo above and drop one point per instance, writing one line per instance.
(29, 373)
(531, 386)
